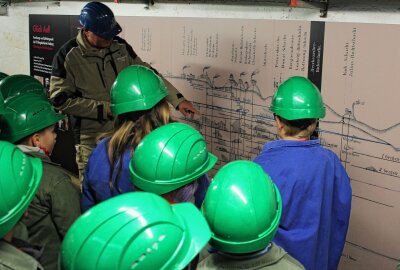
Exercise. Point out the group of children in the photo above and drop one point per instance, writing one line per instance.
(146, 199)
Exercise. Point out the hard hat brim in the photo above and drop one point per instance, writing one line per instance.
(197, 233)
(295, 114)
(112, 33)
(160, 187)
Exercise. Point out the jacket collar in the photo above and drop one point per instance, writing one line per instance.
(36, 152)
(289, 143)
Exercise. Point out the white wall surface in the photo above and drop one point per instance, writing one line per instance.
(14, 33)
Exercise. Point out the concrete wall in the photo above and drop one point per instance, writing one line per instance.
(14, 42)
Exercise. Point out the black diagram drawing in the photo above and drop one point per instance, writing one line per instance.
(236, 121)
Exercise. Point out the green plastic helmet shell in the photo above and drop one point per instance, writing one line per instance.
(170, 157)
(19, 179)
(136, 88)
(14, 85)
(31, 114)
(2, 76)
(242, 207)
(136, 230)
(297, 98)
(2, 107)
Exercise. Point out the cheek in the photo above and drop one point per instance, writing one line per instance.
(50, 139)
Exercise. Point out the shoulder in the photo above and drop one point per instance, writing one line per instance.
(212, 261)
(58, 66)
(98, 162)
(6, 247)
(283, 260)
(53, 175)
(13, 258)
(101, 148)
(326, 155)
(66, 48)
(289, 263)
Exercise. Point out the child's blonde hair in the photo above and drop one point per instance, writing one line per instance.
(130, 129)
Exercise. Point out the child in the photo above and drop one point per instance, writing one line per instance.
(315, 188)
(138, 101)
(170, 161)
(137, 230)
(56, 205)
(243, 208)
(19, 180)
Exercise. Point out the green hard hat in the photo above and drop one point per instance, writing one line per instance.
(20, 84)
(136, 88)
(2, 107)
(32, 113)
(2, 76)
(242, 207)
(136, 230)
(170, 157)
(19, 179)
(297, 98)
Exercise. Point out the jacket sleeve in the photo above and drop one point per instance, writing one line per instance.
(64, 204)
(64, 94)
(88, 200)
(341, 213)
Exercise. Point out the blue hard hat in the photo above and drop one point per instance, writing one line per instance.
(99, 19)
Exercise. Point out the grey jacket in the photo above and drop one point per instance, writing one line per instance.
(52, 211)
(275, 259)
(12, 258)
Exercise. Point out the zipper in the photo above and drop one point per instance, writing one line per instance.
(112, 63)
(101, 74)
(99, 69)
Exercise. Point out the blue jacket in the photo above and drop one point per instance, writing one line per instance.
(95, 186)
(316, 197)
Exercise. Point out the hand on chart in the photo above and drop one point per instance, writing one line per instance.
(187, 109)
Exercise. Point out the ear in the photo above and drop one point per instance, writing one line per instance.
(85, 33)
(35, 140)
(280, 126)
(279, 123)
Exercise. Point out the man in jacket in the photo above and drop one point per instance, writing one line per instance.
(83, 71)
